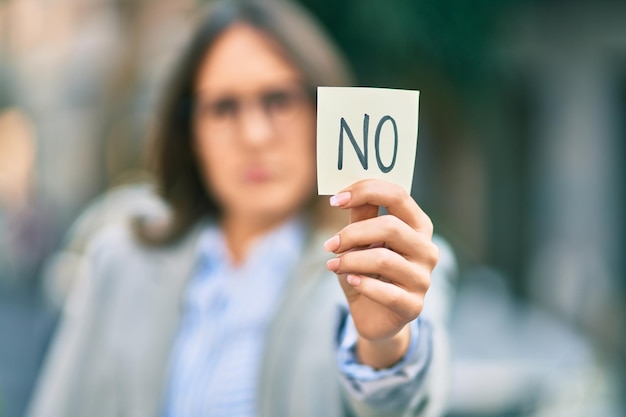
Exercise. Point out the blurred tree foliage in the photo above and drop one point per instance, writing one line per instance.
(447, 50)
(401, 43)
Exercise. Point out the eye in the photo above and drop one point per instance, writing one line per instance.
(278, 101)
(223, 108)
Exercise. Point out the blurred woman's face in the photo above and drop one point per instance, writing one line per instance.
(254, 127)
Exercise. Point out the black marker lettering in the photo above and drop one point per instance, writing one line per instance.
(362, 155)
(382, 166)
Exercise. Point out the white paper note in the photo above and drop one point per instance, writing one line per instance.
(365, 133)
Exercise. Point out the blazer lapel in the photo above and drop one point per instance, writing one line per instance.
(165, 274)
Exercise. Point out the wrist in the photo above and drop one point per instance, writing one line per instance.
(384, 353)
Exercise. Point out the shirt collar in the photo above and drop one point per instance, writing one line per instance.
(284, 243)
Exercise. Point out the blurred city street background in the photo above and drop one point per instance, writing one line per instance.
(521, 165)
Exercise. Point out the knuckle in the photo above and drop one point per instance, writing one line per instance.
(391, 223)
(430, 226)
(429, 254)
(421, 278)
(427, 224)
(417, 305)
(395, 300)
(425, 283)
(383, 261)
(421, 282)
(361, 186)
(433, 256)
(396, 194)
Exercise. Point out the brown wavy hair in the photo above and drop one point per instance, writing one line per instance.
(176, 171)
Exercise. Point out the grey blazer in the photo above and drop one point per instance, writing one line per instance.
(110, 354)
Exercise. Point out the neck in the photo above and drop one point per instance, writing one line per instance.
(241, 232)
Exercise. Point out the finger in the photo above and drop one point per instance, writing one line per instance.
(381, 193)
(397, 300)
(384, 263)
(366, 211)
(387, 231)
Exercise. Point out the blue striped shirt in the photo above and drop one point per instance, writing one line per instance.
(216, 359)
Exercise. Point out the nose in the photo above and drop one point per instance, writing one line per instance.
(255, 126)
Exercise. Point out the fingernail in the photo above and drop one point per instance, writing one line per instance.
(340, 199)
(333, 264)
(332, 244)
(353, 280)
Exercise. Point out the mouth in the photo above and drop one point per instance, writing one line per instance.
(257, 174)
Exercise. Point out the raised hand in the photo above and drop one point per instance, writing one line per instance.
(384, 265)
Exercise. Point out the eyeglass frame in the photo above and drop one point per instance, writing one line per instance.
(261, 102)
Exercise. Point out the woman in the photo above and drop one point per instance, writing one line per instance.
(225, 306)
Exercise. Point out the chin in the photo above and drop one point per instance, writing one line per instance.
(271, 208)
(275, 201)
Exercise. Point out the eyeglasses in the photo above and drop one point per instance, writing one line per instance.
(281, 105)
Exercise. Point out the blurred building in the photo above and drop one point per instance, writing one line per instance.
(554, 141)
(521, 164)
(82, 75)
(88, 72)
(571, 79)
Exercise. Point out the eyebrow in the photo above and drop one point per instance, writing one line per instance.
(209, 93)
